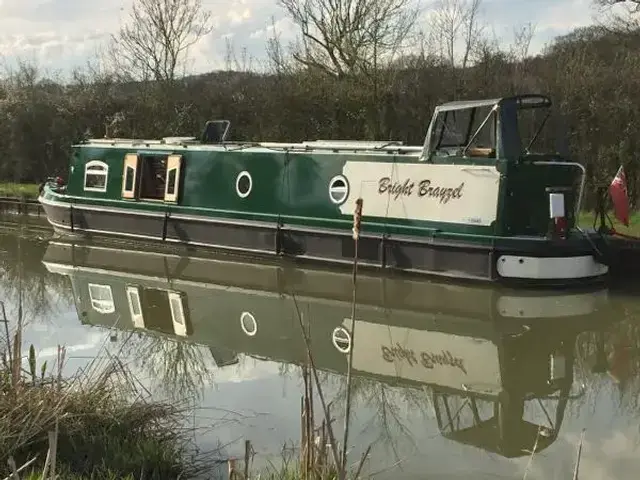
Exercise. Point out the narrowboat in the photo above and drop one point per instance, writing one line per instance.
(475, 201)
(494, 352)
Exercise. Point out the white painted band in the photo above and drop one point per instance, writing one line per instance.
(585, 266)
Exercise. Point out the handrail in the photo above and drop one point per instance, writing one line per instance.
(292, 146)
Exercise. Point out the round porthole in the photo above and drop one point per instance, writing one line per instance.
(341, 339)
(244, 184)
(338, 189)
(248, 324)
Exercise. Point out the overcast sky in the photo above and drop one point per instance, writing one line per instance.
(61, 34)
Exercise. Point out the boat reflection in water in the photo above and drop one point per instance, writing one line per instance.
(482, 353)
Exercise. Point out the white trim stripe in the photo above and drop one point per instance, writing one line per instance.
(550, 268)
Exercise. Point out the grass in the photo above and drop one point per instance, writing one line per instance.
(586, 221)
(96, 424)
(19, 190)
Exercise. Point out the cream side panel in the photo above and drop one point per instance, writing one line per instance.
(464, 194)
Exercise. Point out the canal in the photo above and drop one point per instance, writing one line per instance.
(449, 381)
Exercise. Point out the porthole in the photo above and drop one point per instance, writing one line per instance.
(338, 189)
(341, 339)
(248, 324)
(244, 183)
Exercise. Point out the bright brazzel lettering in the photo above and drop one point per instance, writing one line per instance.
(443, 193)
(425, 189)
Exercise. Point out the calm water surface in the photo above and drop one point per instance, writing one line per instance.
(450, 381)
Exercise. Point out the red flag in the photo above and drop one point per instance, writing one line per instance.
(618, 192)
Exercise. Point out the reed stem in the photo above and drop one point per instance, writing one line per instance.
(357, 219)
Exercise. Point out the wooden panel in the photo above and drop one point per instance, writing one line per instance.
(130, 176)
(172, 185)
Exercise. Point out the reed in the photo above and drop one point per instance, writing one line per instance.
(321, 458)
(98, 423)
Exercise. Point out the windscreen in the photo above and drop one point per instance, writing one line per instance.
(456, 129)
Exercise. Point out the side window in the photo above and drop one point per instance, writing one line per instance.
(95, 176)
(172, 185)
(135, 306)
(130, 176)
(177, 313)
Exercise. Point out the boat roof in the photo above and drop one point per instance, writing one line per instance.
(522, 101)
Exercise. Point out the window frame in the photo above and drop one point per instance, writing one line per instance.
(96, 303)
(131, 162)
(104, 172)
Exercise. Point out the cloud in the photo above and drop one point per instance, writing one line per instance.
(62, 34)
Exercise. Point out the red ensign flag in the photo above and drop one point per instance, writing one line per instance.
(618, 192)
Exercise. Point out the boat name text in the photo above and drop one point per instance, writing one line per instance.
(425, 189)
(426, 359)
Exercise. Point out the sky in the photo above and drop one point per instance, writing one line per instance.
(62, 34)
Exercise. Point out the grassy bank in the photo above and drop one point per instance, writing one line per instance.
(94, 425)
(19, 190)
(586, 221)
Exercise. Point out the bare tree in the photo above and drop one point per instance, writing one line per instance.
(349, 36)
(619, 15)
(155, 41)
(456, 26)
(635, 4)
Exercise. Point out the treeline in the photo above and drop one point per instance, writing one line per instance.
(592, 74)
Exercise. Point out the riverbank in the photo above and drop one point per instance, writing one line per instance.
(95, 424)
(27, 191)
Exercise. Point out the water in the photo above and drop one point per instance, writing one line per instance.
(448, 379)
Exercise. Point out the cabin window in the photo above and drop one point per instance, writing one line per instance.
(244, 184)
(248, 324)
(338, 189)
(130, 176)
(135, 307)
(101, 298)
(174, 166)
(95, 176)
(177, 314)
(171, 182)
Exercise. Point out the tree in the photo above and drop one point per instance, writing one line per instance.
(635, 4)
(155, 42)
(623, 18)
(455, 25)
(342, 37)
